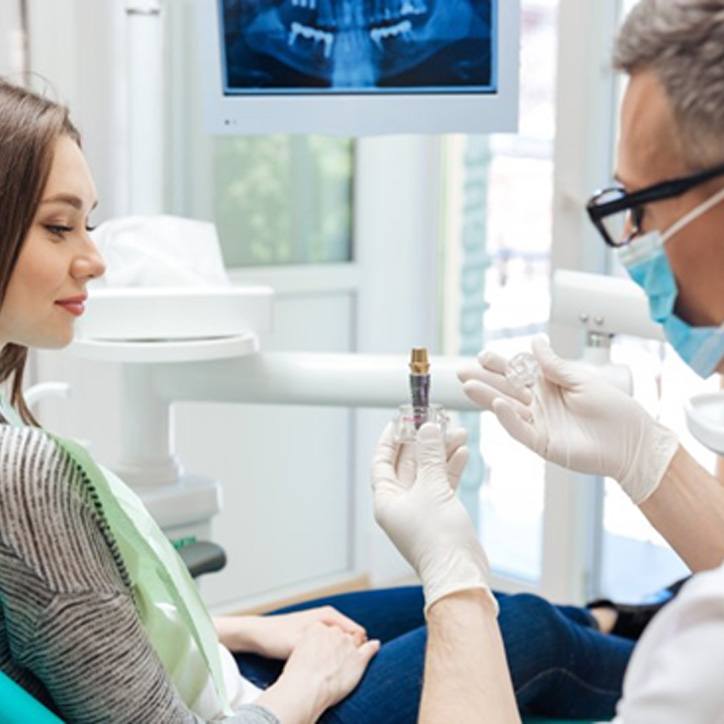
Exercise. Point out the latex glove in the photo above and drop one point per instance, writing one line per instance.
(575, 419)
(456, 455)
(424, 518)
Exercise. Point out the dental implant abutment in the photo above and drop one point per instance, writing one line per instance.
(420, 383)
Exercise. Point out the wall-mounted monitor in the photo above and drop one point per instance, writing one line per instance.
(358, 67)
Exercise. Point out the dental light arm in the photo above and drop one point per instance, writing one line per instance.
(294, 378)
(602, 307)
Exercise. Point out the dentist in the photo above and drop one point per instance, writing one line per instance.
(670, 202)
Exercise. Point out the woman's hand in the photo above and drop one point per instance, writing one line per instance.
(324, 667)
(276, 636)
(330, 662)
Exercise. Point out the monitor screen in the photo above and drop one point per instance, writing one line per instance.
(359, 67)
(297, 47)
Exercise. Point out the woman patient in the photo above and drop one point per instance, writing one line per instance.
(100, 622)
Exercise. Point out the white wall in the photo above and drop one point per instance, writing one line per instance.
(77, 50)
(11, 40)
(286, 472)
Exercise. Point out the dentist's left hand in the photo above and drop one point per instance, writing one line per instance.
(423, 516)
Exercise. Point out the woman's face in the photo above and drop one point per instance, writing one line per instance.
(48, 286)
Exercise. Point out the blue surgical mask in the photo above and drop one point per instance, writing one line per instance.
(645, 259)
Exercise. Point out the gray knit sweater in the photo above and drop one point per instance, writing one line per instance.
(69, 631)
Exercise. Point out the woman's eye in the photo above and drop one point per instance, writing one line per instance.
(90, 228)
(58, 230)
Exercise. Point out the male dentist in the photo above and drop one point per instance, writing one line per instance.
(669, 201)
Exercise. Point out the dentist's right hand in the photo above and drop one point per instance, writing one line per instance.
(424, 517)
(575, 419)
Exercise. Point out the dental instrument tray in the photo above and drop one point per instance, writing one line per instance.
(163, 314)
(705, 418)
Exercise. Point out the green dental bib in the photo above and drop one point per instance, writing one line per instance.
(167, 600)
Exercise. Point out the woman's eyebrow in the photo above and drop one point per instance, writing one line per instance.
(75, 201)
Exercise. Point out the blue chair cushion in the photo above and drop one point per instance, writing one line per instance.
(18, 707)
(542, 720)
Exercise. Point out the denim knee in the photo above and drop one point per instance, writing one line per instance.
(533, 606)
(533, 629)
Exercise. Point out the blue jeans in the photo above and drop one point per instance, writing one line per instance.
(561, 665)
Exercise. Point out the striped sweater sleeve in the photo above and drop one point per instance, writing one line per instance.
(69, 616)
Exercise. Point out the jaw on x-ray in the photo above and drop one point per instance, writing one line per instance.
(358, 45)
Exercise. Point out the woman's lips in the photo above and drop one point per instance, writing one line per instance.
(75, 308)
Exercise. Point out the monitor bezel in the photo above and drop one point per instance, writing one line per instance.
(361, 114)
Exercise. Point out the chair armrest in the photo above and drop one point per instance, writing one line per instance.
(202, 557)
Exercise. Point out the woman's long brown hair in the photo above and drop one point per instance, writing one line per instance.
(30, 126)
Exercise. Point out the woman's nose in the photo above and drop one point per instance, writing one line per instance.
(98, 266)
(89, 265)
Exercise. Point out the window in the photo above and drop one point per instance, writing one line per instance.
(283, 199)
(498, 240)
(636, 559)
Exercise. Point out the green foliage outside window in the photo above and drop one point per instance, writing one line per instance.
(284, 199)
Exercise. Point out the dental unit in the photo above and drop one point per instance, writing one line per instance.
(168, 367)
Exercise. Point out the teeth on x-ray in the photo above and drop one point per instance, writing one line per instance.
(325, 15)
(363, 43)
(318, 36)
(356, 13)
(403, 28)
(413, 7)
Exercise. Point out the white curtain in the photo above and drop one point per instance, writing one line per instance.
(77, 53)
(11, 40)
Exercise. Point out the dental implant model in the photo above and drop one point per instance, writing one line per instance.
(522, 370)
(410, 418)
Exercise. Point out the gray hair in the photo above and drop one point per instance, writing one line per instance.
(682, 42)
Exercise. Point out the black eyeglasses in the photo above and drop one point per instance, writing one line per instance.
(612, 208)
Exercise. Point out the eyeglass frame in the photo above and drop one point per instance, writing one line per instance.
(634, 201)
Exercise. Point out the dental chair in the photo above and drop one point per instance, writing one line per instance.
(18, 707)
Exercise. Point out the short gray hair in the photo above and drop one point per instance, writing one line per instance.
(682, 41)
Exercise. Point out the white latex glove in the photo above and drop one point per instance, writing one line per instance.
(456, 456)
(423, 516)
(575, 419)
